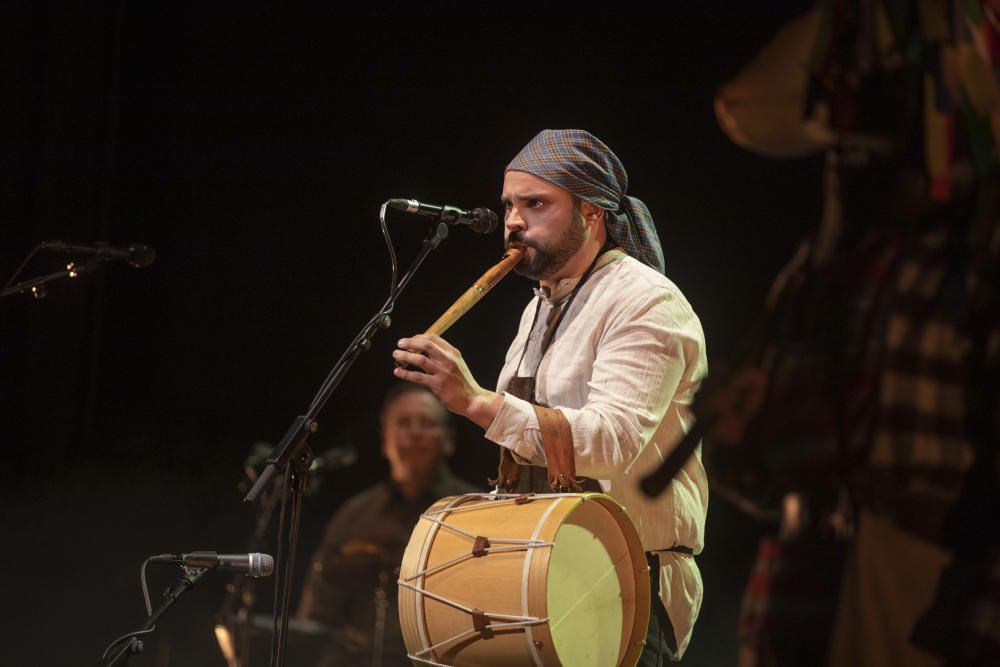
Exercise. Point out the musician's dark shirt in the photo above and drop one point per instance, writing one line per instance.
(361, 548)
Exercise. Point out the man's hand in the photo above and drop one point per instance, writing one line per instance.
(446, 374)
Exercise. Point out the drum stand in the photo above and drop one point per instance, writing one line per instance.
(293, 455)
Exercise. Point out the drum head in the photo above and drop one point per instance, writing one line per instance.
(591, 588)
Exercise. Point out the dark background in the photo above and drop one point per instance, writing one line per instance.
(251, 146)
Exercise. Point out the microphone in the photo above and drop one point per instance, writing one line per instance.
(481, 220)
(252, 565)
(137, 255)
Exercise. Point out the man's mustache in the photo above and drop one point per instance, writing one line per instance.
(518, 237)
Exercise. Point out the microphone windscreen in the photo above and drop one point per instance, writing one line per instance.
(261, 565)
(140, 256)
(485, 220)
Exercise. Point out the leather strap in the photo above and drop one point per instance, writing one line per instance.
(557, 440)
(508, 473)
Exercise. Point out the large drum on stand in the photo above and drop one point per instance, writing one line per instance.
(504, 580)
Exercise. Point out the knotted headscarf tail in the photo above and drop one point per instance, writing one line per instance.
(584, 166)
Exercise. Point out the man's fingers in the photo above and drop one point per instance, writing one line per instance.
(412, 376)
(440, 343)
(411, 359)
(429, 344)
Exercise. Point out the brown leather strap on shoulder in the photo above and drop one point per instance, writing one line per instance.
(557, 439)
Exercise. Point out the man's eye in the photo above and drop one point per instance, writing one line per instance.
(534, 203)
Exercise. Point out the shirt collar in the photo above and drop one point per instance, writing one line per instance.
(565, 286)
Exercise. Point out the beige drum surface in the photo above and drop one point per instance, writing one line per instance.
(562, 581)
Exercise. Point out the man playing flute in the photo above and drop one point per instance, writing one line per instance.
(609, 353)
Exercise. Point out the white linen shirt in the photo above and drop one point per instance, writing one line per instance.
(623, 368)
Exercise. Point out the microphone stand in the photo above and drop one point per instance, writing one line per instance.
(37, 285)
(130, 644)
(237, 607)
(101, 252)
(293, 454)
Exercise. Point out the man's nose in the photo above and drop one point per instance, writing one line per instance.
(513, 220)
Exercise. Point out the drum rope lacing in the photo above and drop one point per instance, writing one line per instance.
(482, 546)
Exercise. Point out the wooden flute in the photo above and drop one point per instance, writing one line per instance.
(476, 292)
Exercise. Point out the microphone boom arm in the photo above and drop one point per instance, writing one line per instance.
(37, 285)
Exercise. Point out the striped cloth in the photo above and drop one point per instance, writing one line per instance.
(937, 343)
(584, 166)
(934, 464)
(914, 327)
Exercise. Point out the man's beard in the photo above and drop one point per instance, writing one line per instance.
(549, 260)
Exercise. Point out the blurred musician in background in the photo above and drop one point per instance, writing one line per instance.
(351, 586)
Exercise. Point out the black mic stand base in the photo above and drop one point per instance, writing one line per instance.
(128, 645)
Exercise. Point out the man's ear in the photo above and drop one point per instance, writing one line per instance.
(591, 213)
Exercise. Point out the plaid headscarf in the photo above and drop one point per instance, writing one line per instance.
(584, 166)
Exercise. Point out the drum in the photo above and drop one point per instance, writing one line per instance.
(505, 580)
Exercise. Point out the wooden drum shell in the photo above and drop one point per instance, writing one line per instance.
(587, 575)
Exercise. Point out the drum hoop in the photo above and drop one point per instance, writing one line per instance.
(505, 499)
(422, 565)
(525, 576)
(528, 546)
